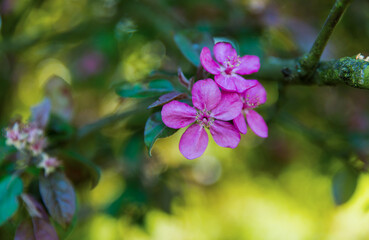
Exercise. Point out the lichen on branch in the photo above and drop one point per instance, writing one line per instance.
(348, 71)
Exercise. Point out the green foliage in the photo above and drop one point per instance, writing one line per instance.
(5, 150)
(58, 130)
(10, 188)
(86, 165)
(343, 185)
(155, 129)
(154, 89)
(187, 49)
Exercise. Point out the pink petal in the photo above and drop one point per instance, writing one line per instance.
(225, 134)
(193, 142)
(177, 114)
(205, 94)
(207, 61)
(255, 96)
(229, 107)
(225, 82)
(249, 64)
(257, 123)
(243, 84)
(223, 50)
(240, 123)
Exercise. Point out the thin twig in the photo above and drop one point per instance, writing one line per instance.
(311, 60)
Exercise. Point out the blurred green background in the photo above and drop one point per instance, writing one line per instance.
(307, 180)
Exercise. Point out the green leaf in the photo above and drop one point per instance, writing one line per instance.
(10, 188)
(59, 197)
(58, 130)
(5, 150)
(154, 129)
(153, 89)
(167, 98)
(187, 49)
(344, 185)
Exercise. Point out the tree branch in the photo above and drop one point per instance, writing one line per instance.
(308, 70)
(310, 61)
(348, 71)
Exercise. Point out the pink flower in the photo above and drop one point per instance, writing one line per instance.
(231, 66)
(49, 164)
(212, 109)
(252, 98)
(36, 141)
(26, 137)
(15, 136)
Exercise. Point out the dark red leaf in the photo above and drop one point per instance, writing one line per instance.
(167, 98)
(58, 195)
(36, 229)
(35, 208)
(25, 231)
(182, 78)
(43, 230)
(41, 113)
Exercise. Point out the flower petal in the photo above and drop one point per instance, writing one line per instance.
(248, 64)
(222, 51)
(207, 61)
(225, 134)
(257, 123)
(205, 94)
(193, 142)
(177, 114)
(229, 107)
(240, 123)
(255, 96)
(243, 84)
(225, 82)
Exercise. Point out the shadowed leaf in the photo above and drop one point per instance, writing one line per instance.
(25, 231)
(5, 150)
(187, 49)
(154, 129)
(41, 113)
(167, 98)
(92, 169)
(34, 208)
(36, 229)
(182, 79)
(58, 195)
(43, 230)
(60, 94)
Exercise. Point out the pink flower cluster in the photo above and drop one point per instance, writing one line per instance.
(219, 105)
(30, 138)
(26, 137)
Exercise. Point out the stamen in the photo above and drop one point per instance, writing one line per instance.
(204, 119)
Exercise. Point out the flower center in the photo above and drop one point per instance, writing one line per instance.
(231, 63)
(250, 102)
(204, 119)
